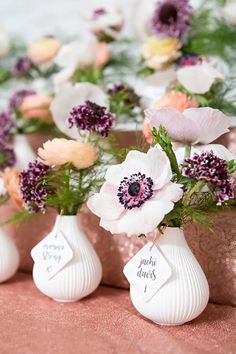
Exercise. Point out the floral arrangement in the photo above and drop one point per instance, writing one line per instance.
(66, 171)
(61, 181)
(176, 29)
(30, 111)
(153, 190)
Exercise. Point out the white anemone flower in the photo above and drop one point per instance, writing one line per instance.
(199, 78)
(137, 193)
(192, 126)
(70, 57)
(74, 95)
(107, 19)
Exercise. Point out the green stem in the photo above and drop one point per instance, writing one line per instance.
(197, 187)
(86, 139)
(187, 153)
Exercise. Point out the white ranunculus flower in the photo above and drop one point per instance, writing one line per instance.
(74, 95)
(229, 11)
(141, 18)
(200, 77)
(4, 42)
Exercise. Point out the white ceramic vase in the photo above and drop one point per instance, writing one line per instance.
(9, 257)
(185, 295)
(81, 275)
(23, 151)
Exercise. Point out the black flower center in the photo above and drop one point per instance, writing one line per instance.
(134, 189)
(168, 14)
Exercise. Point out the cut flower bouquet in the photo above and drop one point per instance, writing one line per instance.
(150, 190)
(63, 176)
(153, 194)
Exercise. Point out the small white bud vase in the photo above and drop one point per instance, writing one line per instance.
(23, 151)
(81, 275)
(9, 257)
(185, 294)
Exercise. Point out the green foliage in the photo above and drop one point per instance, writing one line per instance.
(70, 187)
(32, 125)
(20, 216)
(88, 74)
(211, 35)
(144, 71)
(231, 166)
(121, 105)
(162, 138)
(3, 158)
(5, 75)
(182, 215)
(223, 96)
(4, 198)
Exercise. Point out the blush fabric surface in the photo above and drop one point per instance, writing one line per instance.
(104, 322)
(215, 252)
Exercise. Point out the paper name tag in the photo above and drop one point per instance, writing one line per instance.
(52, 254)
(148, 271)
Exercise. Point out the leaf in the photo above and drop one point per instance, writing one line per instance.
(20, 216)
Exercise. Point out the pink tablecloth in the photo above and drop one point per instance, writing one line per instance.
(104, 322)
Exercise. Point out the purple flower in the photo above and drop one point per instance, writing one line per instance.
(7, 156)
(32, 186)
(6, 124)
(98, 12)
(91, 117)
(212, 169)
(17, 98)
(189, 60)
(130, 98)
(22, 67)
(171, 18)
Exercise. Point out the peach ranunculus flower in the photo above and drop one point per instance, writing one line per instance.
(43, 50)
(171, 99)
(36, 106)
(10, 178)
(102, 54)
(58, 152)
(159, 52)
(177, 100)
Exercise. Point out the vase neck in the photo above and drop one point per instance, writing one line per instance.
(19, 138)
(172, 235)
(69, 225)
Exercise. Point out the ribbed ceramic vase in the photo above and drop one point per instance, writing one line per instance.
(9, 257)
(81, 275)
(185, 295)
(23, 151)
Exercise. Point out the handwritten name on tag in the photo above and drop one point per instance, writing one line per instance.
(52, 254)
(148, 271)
